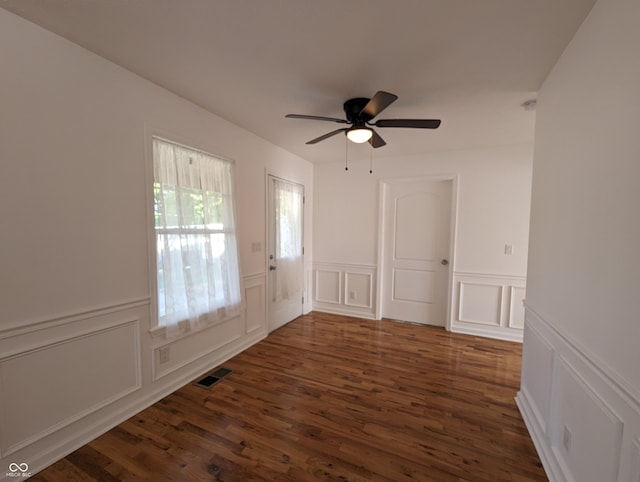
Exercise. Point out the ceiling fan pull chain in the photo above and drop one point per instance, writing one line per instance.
(346, 154)
(370, 161)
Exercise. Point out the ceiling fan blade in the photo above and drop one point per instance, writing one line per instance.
(326, 136)
(315, 117)
(376, 141)
(413, 123)
(378, 103)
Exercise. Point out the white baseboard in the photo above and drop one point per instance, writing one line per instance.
(488, 332)
(344, 312)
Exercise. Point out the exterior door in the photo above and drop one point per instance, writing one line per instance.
(415, 250)
(285, 251)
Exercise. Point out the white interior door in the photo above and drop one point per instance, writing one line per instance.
(415, 250)
(285, 251)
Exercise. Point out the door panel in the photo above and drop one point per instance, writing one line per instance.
(285, 251)
(413, 285)
(415, 241)
(419, 244)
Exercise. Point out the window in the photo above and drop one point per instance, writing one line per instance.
(198, 279)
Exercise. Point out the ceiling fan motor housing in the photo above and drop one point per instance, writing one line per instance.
(353, 110)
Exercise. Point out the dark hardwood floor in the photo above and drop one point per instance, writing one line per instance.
(330, 397)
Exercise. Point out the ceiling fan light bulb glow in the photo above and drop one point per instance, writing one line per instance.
(359, 135)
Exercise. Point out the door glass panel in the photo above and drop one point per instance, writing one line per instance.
(288, 239)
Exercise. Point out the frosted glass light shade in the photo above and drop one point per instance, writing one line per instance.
(359, 134)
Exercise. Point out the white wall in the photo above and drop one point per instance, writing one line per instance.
(76, 355)
(494, 188)
(581, 358)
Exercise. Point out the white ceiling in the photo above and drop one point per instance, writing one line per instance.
(471, 63)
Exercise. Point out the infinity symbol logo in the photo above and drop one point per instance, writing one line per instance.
(13, 467)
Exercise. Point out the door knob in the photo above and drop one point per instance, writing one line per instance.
(272, 268)
(444, 262)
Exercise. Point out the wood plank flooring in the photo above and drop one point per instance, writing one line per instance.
(332, 398)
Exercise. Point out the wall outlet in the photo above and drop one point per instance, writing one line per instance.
(508, 249)
(352, 295)
(164, 354)
(566, 438)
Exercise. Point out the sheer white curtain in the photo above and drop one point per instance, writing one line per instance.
(288, 242)
(196, 247)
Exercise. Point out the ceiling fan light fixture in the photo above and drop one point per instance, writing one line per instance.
(359, 112)
(359, 135)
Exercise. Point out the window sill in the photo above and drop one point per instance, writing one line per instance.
(162, 332)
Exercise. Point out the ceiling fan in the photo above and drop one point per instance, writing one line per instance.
(359, 112)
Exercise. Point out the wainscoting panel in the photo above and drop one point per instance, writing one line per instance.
(480, 303)
(574, 442)
(255, 295)
(51, 386)
(516, 309)
(345, 289)
(537, 367)
(328, 286)
(358, 289)
(488, 305)
(584, 422)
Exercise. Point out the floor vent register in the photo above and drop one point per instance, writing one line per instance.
(213, 378)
